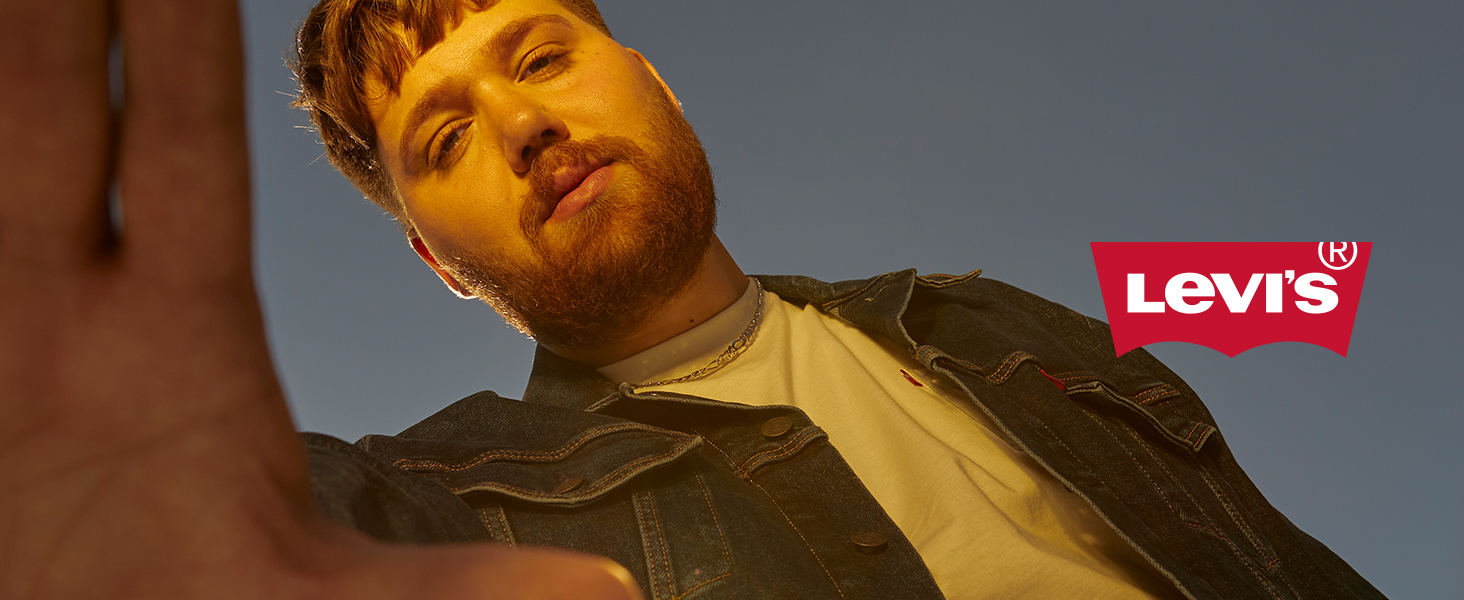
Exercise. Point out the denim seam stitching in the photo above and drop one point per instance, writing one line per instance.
(1154, 395)
(726, 554)
(492, 528)
(498, 522)
(1008, 366)
(1234, 549)
(944, 280)
(575, 444)
(653, 547)
(793, 446)
(1135, 460)
(1183, 518)
(1150, 396)
(605, 482)
(927, 354)
(1202, 515)
(1250, 535)
(603, 402)
(655, 516)
(376, 467)
(1190, 440)
(799, 533)
(731, 462)
(1040, 423)
(748, 478)
(882, 281)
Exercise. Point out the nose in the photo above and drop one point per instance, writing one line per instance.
(527, 130)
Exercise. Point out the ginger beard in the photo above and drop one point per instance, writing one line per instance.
(597, 276)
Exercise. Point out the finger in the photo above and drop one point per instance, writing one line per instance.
(55, 135)
(342, 563)
(183, 176)
(488, 571)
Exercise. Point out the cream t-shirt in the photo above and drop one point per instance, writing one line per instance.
(987, 519)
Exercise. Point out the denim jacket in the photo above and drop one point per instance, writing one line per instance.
(707, 499)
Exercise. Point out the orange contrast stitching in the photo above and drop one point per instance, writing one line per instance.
(573, 445)
(636, 499)
(811, 551)
(604, 482)
(793, 446)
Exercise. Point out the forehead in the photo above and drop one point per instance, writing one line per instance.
(420, 60)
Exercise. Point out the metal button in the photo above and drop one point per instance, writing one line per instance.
(869, 541)
(776, 426)
(568, 484)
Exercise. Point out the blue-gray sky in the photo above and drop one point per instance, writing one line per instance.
(851, 137)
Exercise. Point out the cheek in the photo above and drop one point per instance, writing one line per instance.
(465, 217)
(618, 88)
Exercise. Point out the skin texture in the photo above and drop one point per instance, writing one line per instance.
(146, 448)
(474, 177)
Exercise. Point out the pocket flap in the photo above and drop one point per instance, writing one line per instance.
(1162, 404)
(535, 453)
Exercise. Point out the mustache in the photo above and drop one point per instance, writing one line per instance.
(540, 200)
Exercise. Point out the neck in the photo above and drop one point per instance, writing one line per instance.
(715, 285)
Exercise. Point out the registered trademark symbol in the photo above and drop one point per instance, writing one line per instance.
(1337, 255)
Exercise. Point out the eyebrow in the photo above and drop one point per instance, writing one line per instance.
(501, 46)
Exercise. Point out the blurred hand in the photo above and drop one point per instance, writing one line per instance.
(145, 446)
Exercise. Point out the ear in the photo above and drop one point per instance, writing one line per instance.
(652, 68)
(451, 282)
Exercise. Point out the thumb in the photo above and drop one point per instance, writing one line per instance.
(486, 571)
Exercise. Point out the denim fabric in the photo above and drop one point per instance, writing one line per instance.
(700, 498)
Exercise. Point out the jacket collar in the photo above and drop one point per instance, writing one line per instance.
(874, 305)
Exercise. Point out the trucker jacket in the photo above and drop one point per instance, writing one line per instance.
(706, 499)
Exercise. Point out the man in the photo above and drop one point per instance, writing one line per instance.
(948, 434)
(539, 174)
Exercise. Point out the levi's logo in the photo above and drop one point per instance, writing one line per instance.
(1231, 296)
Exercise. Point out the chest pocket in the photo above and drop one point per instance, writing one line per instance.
(626, 491)
(1172, 415)
(1160, 404)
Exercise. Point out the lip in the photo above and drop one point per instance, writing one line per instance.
(578, 185)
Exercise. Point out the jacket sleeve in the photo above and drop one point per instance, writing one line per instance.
(365, 493)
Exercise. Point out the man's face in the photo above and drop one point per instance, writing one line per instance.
(545, 169)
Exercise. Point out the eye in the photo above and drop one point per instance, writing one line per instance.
(541, 61)
(443, 146)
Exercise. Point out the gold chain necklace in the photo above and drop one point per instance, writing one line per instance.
(730, 353)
